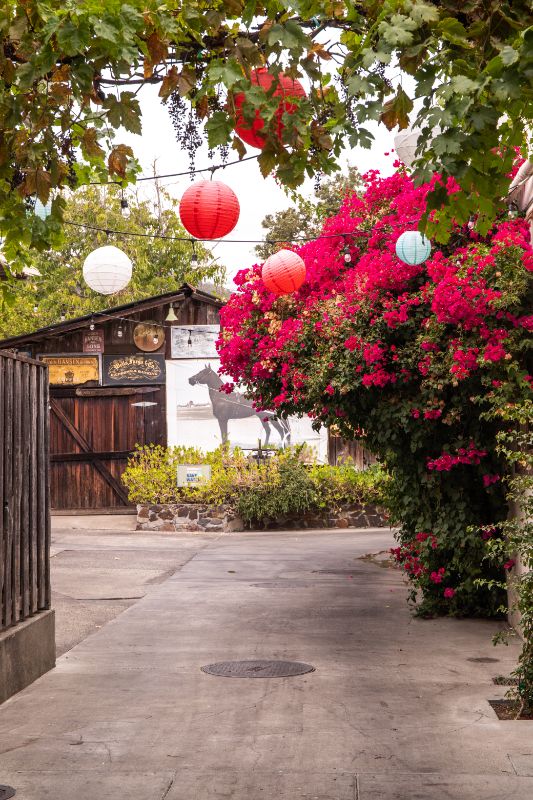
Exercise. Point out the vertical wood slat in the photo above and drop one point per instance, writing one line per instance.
(41, 499)
(17, 487)
(45, 451)
(7, 600)
(2, 495)
(33, 488)
(24, 490)
(25, 541)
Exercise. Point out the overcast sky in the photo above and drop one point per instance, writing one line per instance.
(257, 196)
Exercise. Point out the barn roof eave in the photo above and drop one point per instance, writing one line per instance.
(185, 291)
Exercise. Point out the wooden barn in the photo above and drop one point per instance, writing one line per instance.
(107, 389)
(141, 373)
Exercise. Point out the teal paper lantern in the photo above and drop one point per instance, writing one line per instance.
(412, 247)
(42, 211)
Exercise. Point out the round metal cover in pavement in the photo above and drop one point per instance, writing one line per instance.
(257, 669)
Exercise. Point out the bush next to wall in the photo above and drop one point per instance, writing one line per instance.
(280, 486)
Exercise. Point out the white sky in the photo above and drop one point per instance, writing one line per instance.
(257, 196)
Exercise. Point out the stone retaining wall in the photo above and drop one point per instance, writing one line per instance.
(196, 517)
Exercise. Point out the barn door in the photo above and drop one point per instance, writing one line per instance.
(91, 439)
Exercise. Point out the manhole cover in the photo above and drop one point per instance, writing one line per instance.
(257, 669)
(7, 791)
(483, 660)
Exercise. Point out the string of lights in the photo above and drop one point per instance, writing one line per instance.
(212, 169)
(191, 240)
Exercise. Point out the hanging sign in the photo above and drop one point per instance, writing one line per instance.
(72, 370)
(194, 341)
(132, 370)
(93, 341)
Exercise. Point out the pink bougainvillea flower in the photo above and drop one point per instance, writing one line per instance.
(509, 564)
(449, 592)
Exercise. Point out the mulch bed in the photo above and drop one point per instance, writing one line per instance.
(508, 709)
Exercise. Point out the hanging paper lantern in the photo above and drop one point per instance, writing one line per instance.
(107, 269)
(412, 247)
(249, 131)
(405, 144)
(209, 209)
(283, 272)
(42, 211)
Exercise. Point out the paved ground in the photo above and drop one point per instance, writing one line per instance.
(396, 710)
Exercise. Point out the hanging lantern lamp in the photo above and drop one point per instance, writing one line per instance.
(412, 247)
(250, 131)
(107, 269)
(283, 272)
(405, 144)
(209, 210)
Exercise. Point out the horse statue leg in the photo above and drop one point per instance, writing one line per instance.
(223, 425)
(266, 426)
(278, 425)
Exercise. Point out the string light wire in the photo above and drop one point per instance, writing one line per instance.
(138, 234)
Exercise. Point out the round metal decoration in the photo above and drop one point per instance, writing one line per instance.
(257, 669)
(148, 336)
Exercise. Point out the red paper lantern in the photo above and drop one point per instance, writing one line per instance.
(283, 272)
(286, 88)
(209, 209)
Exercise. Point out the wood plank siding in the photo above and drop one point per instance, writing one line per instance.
(24, 490)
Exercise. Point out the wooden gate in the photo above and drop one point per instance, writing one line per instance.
(24, 489)
(92, 434)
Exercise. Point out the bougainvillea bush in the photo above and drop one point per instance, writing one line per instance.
(407, 357)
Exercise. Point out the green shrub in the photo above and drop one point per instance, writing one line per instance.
(344, 484)
(285, 488)
(281, 485)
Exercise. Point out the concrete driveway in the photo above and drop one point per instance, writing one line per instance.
(396, 709)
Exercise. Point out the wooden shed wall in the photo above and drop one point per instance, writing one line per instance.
(92, 436)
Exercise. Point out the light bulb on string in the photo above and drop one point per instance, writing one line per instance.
(91, 326)
(120, 332)
(156, 339)
(189, 340)
(194, 257)
(124, 207)
(63, 315)
(513, 210)
(35, 308)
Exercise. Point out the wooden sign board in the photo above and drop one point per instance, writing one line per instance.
(194, 341)
(93, 341)
(132, 370)
(72, 369)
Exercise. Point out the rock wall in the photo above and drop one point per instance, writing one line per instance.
(222, 519)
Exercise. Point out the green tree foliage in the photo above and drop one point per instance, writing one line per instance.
(160, 265)
(309, 215)
(70, 71)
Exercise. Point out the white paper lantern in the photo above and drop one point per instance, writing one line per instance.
(405, 144)
(412, 247)
(107, 269)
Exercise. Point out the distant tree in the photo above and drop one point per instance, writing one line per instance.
(307, 218)
(159, 265)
